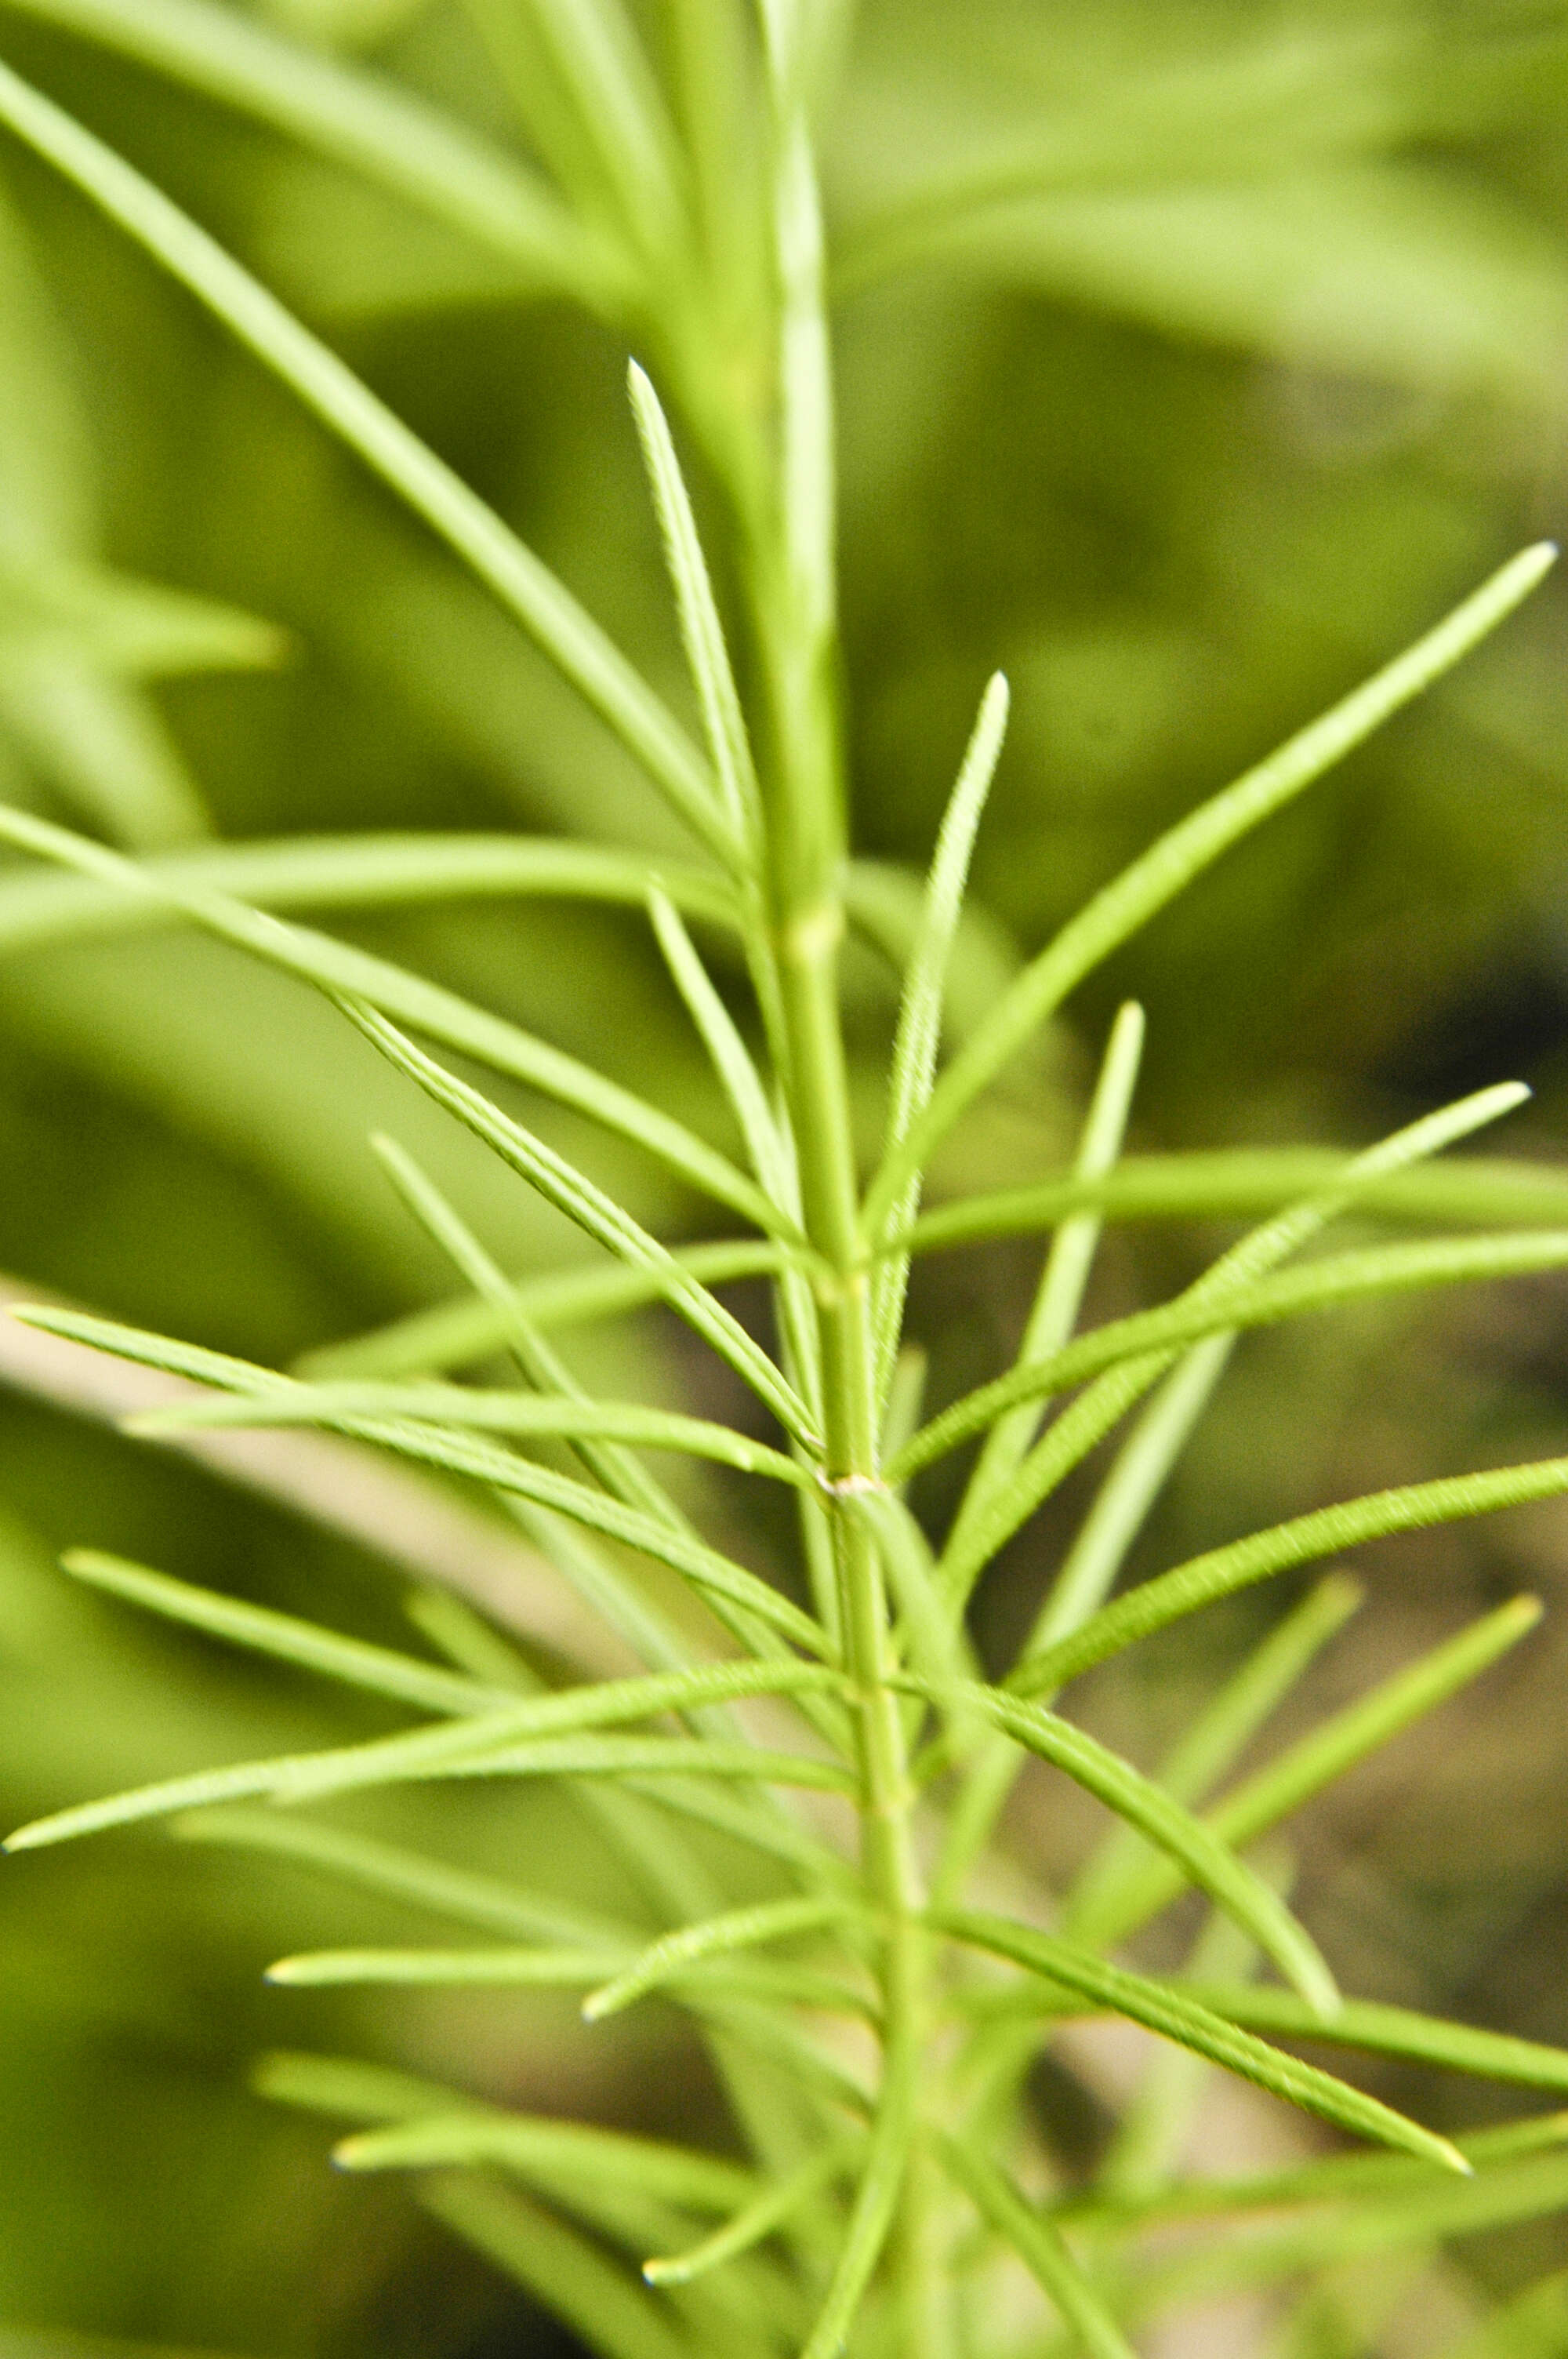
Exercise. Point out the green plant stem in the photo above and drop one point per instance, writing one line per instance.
(793, 590)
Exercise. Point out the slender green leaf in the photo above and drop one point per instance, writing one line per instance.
(727, 1051)
(342, 2084)
(919, 1032)
(491, 1412)
(1106, 1401)
(887, 2164)
(1530, 2189)
(563, 2269)
(1396, 2031)
(444, 1969)
(445, 1891)
(524, 586)
(359, 119)
(349, 973)
(451, 1334)
(1042, 2248)
(355, 872)
(704, 1567)
(551, 2150)
(702, 633)
(1201, 1758)
(307, 1776)
(594, 1211)
(1154, 1605)
(622, 1475)
(1334, 1747)
(1172, 863)
(738, 1929)
(1089, 1572)
(758, 2219)
(1056, 1304)
(1316, 1286)
(1139, 1802)
(1338, 2178)
(1174, 2017)
(1233, 1182)
(376, 1668)
(596, 50)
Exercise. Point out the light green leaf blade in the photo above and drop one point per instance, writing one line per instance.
(441, 1968)
(555, 2151)
(1233, 1182)
(1041, 2248)
(353, 974)
(369, 871)
(517, 1413)
(1397, 2031)
(375, 1668)
(1107, 1400)
(1288, 1293)
(1154, 1605)
(702, 633)
(919, 1030)
(756, 2219)
(1335, 1745)
(1060, 1295)
(1159, 2009)
(1206, 1750)
(592, 1211)
(871, 2219)
(563, 2269)
(1230, 1884)
(714, 1575)
(358, 118)
(451, 1335)
(1181, 855)
(737, 1928)
(461, 1893)
(525, 587)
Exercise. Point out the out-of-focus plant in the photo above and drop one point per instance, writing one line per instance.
(778, 1723)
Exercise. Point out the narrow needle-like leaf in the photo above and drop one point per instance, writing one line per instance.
(1156, 878)
(376, 1668)
(1106, 1401)
(919, 1032)
(1154, 1605)
(603, 1220)
(738, 1928)
(339, 969)
(555, 2151)
(1041, 2248)
(1137, 1801)
(517, 1413)
(1201, 1758)
(704, 1567)
(444, 1969)
(357, 118)
(1316, 1286)
(526, 588)
(1160, 2009)
(1066, 1270)
(1322, 1756)
(702, 633)
(757, 2220)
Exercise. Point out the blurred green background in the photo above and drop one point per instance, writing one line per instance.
(1253, 358)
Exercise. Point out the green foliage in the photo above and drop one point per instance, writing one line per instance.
(780, 1732)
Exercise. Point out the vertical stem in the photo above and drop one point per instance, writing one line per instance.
(794, 584)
